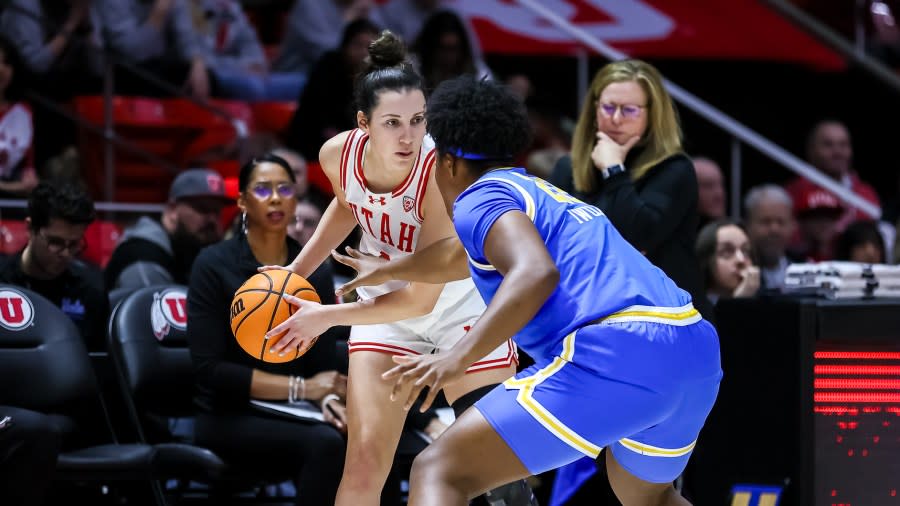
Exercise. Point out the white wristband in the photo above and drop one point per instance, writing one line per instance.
(328, 398)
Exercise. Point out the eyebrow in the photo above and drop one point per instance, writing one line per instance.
(390, 114)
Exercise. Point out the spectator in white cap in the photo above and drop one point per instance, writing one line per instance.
(162, 251)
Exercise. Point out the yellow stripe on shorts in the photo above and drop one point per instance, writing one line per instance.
(656, 451)
(526, 399)
(680, 316)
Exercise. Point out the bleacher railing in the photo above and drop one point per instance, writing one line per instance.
(109, 135)
(854, 51)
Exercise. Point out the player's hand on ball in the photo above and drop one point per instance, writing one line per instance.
(289, 267)
(302, 328)
(420, 371)
(367, 267)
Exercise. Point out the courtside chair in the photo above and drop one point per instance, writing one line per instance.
(45, 367)
(149, 350)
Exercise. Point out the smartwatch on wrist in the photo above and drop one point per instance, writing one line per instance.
(612, 170)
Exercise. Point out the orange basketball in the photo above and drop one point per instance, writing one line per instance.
(258, 306)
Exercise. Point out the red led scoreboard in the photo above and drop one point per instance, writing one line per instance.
(856, 395)
(809, 404)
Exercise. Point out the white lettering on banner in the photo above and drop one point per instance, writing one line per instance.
(631, 20)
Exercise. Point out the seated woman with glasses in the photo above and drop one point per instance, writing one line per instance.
(726, 261)
(312, 454)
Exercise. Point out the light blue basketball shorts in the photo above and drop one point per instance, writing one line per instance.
(642, 388)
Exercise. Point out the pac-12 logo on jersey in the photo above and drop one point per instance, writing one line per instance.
(408, 203)
(169, 310)
(16, 311)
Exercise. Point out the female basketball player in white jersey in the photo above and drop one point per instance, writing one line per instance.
(382, 177)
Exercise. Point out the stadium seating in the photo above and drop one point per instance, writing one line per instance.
(101, 237)
(318, 178)
(13, 236)
(176, 130)
(273, 116)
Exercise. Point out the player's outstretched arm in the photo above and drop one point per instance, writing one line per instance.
(311, 319)
(441, 262)
(515, 248)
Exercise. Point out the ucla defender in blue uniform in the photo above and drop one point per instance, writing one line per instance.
(623, 360)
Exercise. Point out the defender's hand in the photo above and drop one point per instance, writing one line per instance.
(420, 371)
(369, 270)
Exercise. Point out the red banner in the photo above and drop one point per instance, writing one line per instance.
(703, 29)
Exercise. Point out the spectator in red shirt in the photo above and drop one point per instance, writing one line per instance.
(829, 150)
(17, 174)
(818, 215)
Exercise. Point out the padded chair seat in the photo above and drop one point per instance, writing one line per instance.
(120, 461)
(142, 461)
(184, 460)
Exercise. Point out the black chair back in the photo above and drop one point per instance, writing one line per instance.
(44, 364)
(149, 349)
(148, 346)
(45, 367)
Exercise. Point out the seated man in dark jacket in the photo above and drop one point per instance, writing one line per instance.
(161, 251)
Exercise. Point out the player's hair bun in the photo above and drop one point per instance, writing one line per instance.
(386, 51)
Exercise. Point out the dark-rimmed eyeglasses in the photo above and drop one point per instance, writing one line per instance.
(56, 245)
(265, 191)
(629, 111)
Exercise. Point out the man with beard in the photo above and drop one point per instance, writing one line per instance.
(58, 215)
(154, 252)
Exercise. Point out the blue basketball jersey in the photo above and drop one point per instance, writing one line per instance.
(600, 272)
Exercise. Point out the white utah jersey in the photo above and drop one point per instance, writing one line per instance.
(392, 221)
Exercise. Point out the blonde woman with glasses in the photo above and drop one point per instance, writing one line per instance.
(627, 159)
